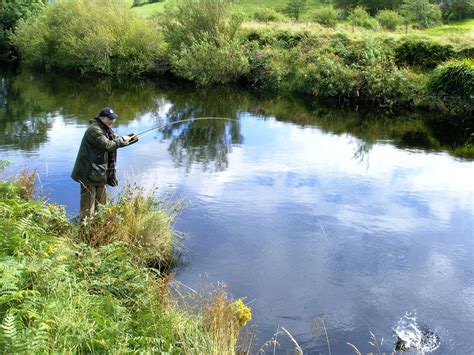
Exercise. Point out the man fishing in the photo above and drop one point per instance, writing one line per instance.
(96, 159)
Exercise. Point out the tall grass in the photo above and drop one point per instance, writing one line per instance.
(138, 221)
(99, 36)
(63, 294)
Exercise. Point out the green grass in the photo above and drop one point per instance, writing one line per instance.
(152, 9)
(60, 293)
(248, 6)
(460, 27)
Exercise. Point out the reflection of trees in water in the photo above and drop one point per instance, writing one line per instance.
(413, 130)
(28, 132)
(29, 102)
(206, 142)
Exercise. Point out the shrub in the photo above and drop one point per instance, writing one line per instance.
(422, 13)
(358, 17)
(12, 11)
(327, 78)
(457, 9)
(192, 21)
(295, 8)
(103, 36)
(453, 85)
(266, 14)
(386, 85)
(269, 68)
(467, 52)
(366, 52)
(389, 19)
(206, 62)
(422, 53)
(326, 16)
(203, 43)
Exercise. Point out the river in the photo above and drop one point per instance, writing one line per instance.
(327, 221)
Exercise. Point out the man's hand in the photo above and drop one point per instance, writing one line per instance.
(131, 138)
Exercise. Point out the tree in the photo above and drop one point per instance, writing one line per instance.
(372, 6)
(421, 12)
(11, 11)
(295, 8)
(389, 19)
(326, 16)
(358, 17)
(457, 9)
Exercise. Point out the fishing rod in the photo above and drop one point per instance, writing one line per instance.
(150, 130)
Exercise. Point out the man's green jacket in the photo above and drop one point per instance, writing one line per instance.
(94, 165)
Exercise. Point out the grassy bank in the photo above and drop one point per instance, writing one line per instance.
(89, 288)
(209, 43)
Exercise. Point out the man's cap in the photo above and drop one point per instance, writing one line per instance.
(108, 112)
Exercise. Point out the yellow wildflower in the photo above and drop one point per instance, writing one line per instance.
(51, 249)
(244, 312)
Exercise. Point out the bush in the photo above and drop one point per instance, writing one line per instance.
(269, 68)
(295, 8)
(326, 16)
(101, 36)
(206, 62)
(422, 13)
(11, 11)
(386, 85)
(193, 21)
(453, 85)
(327, 78)
(367, 52)
(457, 9)
(422, 53)
(389, 19)
(265, 14)
(358, 17)
(204, 46)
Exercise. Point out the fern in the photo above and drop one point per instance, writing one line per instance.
(11, 335)
(39, 344)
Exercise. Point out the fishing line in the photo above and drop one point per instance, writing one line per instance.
(150, 130)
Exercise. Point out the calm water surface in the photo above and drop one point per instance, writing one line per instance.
(313, 215)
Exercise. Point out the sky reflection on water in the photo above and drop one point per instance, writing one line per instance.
(295, 218)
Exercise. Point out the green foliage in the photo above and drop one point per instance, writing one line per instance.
(421, 53)
(327, 78)
(4, 164)
(269, 68)
(11, 11)
(360, 17)
(422, 13)
(373, 6)
(295, 8)
(207, 62)
(191, 21)
(266, 14)
(102, 36)
(386, 85)
(203, 42)
(57, 296)
(452, 84)
(326, 16)
(457, 9)
(389, 19)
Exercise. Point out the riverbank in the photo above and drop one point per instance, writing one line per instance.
(346, 65)
(91, 288)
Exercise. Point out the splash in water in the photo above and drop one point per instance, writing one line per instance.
(411, 336)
